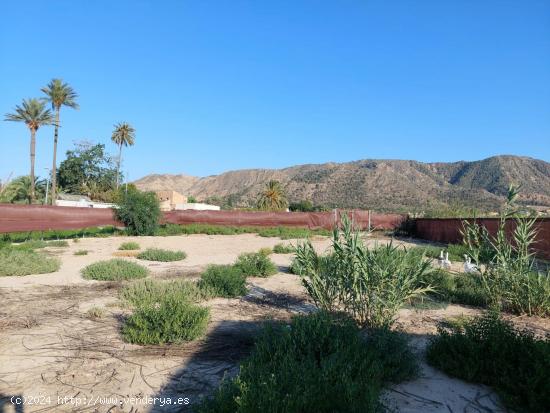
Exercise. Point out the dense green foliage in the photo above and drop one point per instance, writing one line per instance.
(369, 284)
(139, 212)
(306, 206)
(224, 281)
(510, 274)
(129, 246)
(273, 197)
(489, 350)
(19, 190)
(25, 261)
(156, 254)
(255, 264)
(170, 320)
(148, 291)
(316, 364)
(283, 249)
(87, 169)
(457, 288)
(114, 270)
(58, 234)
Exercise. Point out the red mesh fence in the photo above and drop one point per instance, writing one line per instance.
(447, 230)
(14, 218)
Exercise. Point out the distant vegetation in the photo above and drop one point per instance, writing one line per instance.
(273, 197)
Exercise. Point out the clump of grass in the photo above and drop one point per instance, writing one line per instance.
(114, 270)
(223, 281)
(283, 249)
(57, 243)
(19, 262)
(30, 245)
(457, 288)
(81, 252)
(265, 251)
(148, 292)
(172, 320)
(129, 246)
(255, 264)
(319, 363)
(76, 240)
(489, 350)
(155, 254)
(95, 313)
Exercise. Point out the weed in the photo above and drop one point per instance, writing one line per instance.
(283, 249)
(318, 363)
(154, 254)
(128, 246)
(95, 313)
(255, 264)
(81, 252)
(489, 350)
(223, 281)
(114, 270)
(265, 251)
(18, 262)
(57, 243)
(148, 292)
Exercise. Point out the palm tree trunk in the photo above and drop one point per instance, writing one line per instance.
(54, 165)
(33, 154)
(118, 165)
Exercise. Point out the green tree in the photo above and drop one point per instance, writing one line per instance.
(273, 197)
(58, 94)
(34, 114)
(19, 189)
(87, 169)
(139, 212)
(125, 135)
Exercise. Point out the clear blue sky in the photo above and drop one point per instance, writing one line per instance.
(218, 85)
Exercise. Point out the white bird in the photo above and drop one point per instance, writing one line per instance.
(444, 260)
(468, 266)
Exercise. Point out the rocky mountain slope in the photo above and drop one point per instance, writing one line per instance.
(386, 185)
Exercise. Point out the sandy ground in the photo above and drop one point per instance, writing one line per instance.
(60, 359)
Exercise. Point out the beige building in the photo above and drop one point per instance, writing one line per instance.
(169, 199)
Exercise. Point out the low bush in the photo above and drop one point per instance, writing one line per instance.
(19, 262)
(58, 234)
(81, 252)
(224, 281)
(139, 212)
(129, 246)
(265, 251)
(283, 232)
(489, 350)
(255, 264)
(116, 269)
(149, 292)
(171, 320)
(155, 254)
(318, 363)
(292, 232)
(457, 288)
(283, 249)
(57, 243)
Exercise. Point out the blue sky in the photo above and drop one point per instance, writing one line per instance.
(217, 85)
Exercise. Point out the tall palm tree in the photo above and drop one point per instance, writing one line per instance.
(125, 135)
(34, 114)
(58, 94)
(273, 197)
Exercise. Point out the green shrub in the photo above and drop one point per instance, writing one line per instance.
(114, 270)
(139, 212)
(509, 271)
(148, 292)
(129, 246)
(291, 232)
(20, 262)
(317, 364)
(265, 251)
(282, 232)
(57, 234)
(255, 264)
(457, 288)
(30, 245)
(283, 249)
(81, 252)
(155, 254)
(489, 350)
(370, 285)
(57, 243)
(171, 320)
(224, 281)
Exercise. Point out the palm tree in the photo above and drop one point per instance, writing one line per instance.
(20, 189)
(34, 114)
(123, 134)
(273, 198)
(58, 94)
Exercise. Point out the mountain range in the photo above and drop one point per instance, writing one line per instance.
(384, 185)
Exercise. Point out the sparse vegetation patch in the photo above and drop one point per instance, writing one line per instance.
(255, 264)
(155, 254)
(19, 262)
(129, 246)
(116, 269)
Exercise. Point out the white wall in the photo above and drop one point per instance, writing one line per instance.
(197, 207)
